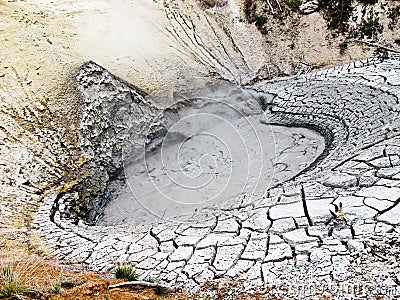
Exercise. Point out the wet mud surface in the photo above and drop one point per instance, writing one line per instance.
(213, 151)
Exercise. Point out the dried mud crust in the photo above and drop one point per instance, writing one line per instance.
(32, 98)
(288, 237)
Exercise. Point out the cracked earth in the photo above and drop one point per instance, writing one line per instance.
(332, 227)
(337, 222)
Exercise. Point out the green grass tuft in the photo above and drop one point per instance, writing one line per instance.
(10, 285)
(125, 272)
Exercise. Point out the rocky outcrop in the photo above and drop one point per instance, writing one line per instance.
(114, 113)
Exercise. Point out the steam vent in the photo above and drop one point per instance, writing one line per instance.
(184, 140)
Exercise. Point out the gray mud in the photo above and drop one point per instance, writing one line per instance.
(212, 150)
(191, 148)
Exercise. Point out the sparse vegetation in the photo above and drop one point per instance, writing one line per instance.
(10, 284)
(337, 14)
(125, 272)
(56, 289)
(343, 17)
(370, 27)
(259, 12)
(293, 5)
(31, 279)
(394, 14)
(259, 20)
(158, 289)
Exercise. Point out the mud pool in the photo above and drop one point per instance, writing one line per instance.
(212, 150)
